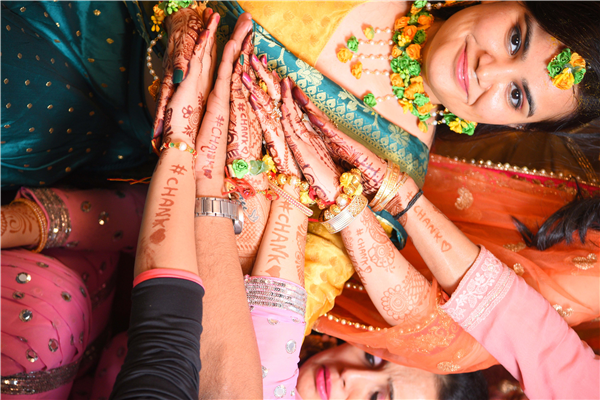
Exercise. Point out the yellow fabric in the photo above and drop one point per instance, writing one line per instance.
(303, 27)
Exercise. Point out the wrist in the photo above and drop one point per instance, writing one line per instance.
(210, 187)
(402, 197)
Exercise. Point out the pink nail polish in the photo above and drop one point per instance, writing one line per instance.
(264, 60)
(255, 59)
(246, 78)
(218, 17)
(315, 120)
(253, 101)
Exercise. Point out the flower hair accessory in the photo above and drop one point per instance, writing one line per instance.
(566, 69)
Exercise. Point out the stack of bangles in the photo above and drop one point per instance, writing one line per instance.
(41, 219)
(392, 182)
(348, 205)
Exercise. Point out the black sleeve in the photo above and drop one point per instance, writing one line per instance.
(163, 356)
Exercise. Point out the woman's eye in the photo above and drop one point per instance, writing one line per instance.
(373, 360)
(515, 96)
(374, 396)
(515, 41)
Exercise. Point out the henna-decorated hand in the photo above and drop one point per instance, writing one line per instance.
(244, 141)
(341, 146)
(184, 28)
(309, 150)
(211, 141)
(266, 107)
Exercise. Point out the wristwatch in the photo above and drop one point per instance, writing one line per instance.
(216, 207)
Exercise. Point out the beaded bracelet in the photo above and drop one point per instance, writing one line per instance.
(41, 219)
(182, 146)
(351, 187)
(288, 197)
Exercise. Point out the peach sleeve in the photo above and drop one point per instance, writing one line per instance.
(523, 332)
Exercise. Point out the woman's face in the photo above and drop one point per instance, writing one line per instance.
(487, 64)
(346, 372)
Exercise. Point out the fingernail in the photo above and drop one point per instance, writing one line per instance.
(299, 96)
(246, 78)
(218, 17)
(264, 59)
(177, 76)
(315, 120)
(241, 58)
(253, 101)
(255, 59)
(284, 88)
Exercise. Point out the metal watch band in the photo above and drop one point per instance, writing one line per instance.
(217, 207)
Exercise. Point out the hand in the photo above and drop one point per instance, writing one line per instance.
(309, 150)
(244, 141)
(371, 166)
(266, 107)
(184, 27)
(211, 142)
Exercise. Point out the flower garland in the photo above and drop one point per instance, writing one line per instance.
(165, 8)
(407, 83)
(566, 69)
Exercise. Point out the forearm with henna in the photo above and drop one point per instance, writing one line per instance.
(20, 226)
(281, 253)
(395, 287)
(445, 249)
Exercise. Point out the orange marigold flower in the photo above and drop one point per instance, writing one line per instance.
(577, 60)
(357, 70)
(564, 80)
(410, 31)
(344, 55)
(425, 108)
(396, 80)
(422, 126)
(414, 51)
(425, 21)
(401, 23)
(414, 10)
(396, 52)
(415, 87)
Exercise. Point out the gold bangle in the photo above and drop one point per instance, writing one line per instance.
(41, 218)
(386, 190)
(396, 187)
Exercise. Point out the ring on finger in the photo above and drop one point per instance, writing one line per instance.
(263, 85)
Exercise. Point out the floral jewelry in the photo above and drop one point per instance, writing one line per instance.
(240, 168)
(351, 188)
(405, 75)
(455, 123)
(566, 69)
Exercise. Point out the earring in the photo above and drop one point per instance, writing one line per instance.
(455, 123)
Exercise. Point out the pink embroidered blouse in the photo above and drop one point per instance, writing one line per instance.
(524, 332)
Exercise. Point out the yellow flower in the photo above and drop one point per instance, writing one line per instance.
(564, 80)
(305, 199)
(403, 40)
(270, 163)
(425, 21)
(414, 51)
(458, 125)
(415, 87)
(344, 55)
(425, 108)
(410, 31)
(396, 52)
(423, 126)
(396, 80)
(406, 105)
(577, 60)
(369, 32)
(401, 23)
(357, 70)
(160, 14)
(346, 179)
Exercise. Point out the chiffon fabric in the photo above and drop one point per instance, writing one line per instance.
(56, 304)
(480, 201)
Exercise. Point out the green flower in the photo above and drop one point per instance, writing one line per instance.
(414, 67)
(395, 36)
(370, 100)
(414, 19)
(420, 37)
(398, 91)
(554, 68)
(469, 130)
(578, 75)
(420, 3)
(258, 167)
(352, 43)
(240, 168)
(421, 99)
(564, 57)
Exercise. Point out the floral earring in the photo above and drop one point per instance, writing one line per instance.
(455, 123)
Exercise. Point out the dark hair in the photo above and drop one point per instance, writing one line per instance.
(469, 386)
(574, 23)
(580, 215)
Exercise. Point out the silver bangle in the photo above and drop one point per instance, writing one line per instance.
(347, 215)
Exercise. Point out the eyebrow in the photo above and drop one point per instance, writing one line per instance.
(526, 43)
